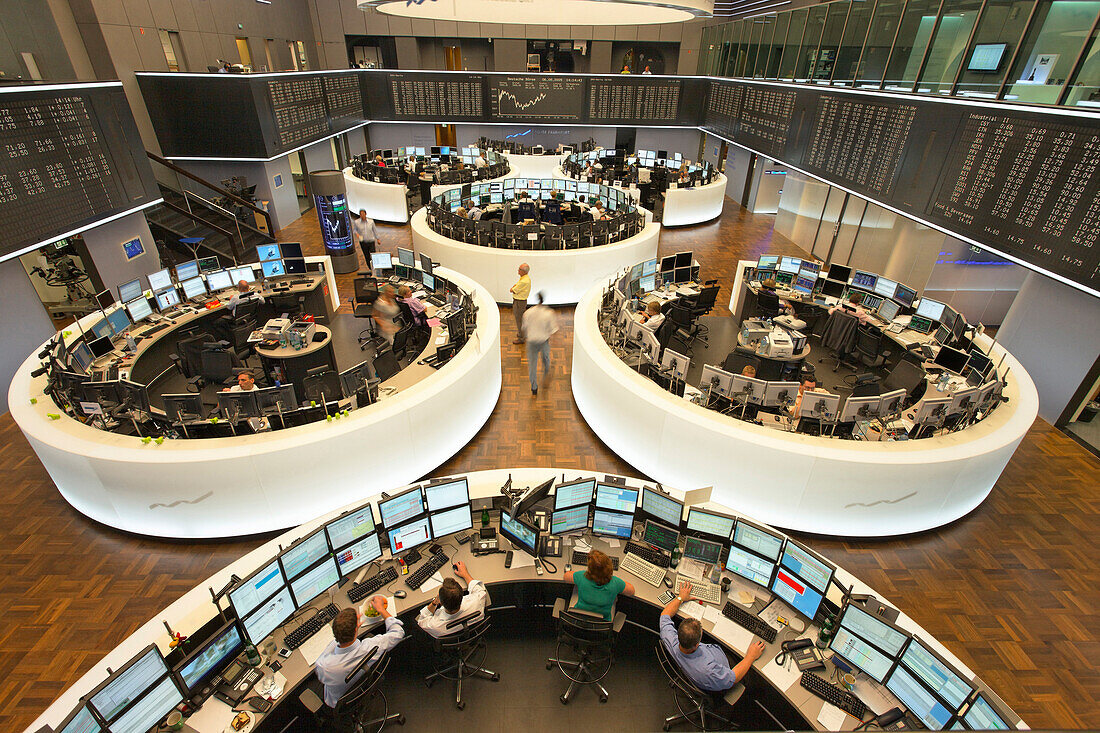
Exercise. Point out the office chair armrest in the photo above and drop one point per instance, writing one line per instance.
(559, 606)
(310, 701)
(618, 622)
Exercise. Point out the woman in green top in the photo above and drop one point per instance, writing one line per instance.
(597, 587)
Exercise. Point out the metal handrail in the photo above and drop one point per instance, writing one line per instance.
(214, 187)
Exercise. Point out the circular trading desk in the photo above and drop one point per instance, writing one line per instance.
(241, 485)
(561, 274)
(778, 698)
(683, 205)
(801, 482)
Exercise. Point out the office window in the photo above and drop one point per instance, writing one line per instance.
(293, 55)
(303, 62)
(836, 16)
(1084, 90)
(1002, 22)
(948, 50)
(1046, 58)
(789, 62)
(779, 38)
(173, 51)
(734, 49)
(269, 52)
(808, 62)
(880, 39)
(917, 23)
(851, 45)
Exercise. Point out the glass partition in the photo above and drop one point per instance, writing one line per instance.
(1058, 32)
(808, 62)
(835, 17)
(917, 23)
(755, 27)
(851, 46)
(996, 38)
(765, 47)
(1084, 89)
(779, 38)
(880, 39)
(797, 29)
(948, 48)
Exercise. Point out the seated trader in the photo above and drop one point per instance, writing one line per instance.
(244, 292)
(749, 371)
(455, 605)
(597, 587)
(480, 162)
(809, 383)
(704, 664)
(417, 308)
(853, 306)
(769, 300)
(473, 211)
(653, 318)
(345, 651)
(246, 382)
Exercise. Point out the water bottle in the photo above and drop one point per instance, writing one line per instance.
(676, 554)
(485, 517)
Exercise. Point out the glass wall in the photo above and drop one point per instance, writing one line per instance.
(1030, 51)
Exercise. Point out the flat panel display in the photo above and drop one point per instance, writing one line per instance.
(616, 498)
(447, 494)
(401, 508)
(749, 566)
(256, 588)
(711, 523)
(569, 520)
(450, 521)
(359, 553)
(298, 558)
(612, 524)
(350, 527)
(574, 493)
(270, 615)
(408, 536)
(662, 507)
(545, 97)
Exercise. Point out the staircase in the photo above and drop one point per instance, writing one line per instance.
(225, 222)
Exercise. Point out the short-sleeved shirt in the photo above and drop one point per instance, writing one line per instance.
(707, 666)
(522, 289)
(597, 598)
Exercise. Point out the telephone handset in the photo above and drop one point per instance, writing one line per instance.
(804, 654)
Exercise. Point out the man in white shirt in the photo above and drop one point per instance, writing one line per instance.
(652, 318)
(366, 234)
(346, 650)
(480, 162)
(244, 292)
(246, 382)
(539, 324)
(473, 211)
(451, 604)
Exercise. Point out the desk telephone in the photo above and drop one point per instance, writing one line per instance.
(236, 681)
(804, 654)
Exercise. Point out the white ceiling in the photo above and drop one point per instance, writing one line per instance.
(548, 12)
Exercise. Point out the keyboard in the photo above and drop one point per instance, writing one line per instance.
(158, 327)
(749, 621)
(312, 625)
(370, 586)
(647, 571)
(647, 553)
(834, 695)
(581, 558)
(425, 571)
(706, 592)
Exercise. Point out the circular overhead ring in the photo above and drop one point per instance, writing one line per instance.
(565, 12)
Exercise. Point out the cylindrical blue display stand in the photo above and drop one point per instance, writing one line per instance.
(331, 201)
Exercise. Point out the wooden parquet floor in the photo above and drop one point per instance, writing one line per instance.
(1013, 588)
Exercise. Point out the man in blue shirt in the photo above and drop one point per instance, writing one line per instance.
(704, 664)
(346, 650)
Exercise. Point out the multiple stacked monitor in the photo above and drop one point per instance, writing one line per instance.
(395, 159)
(645, 277)
(614, 163)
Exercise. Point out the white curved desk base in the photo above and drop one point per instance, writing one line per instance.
(382, 201)
(800, 482)
(685, 206)
(226, 487)
(563, 276)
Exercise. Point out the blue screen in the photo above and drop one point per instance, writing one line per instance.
(119, 320)
(796, 592)
(612, 523)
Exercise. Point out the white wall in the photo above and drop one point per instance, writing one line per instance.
(672, 140)
(104, 242)
(23, 321)
(1054, 331)
(385, 135)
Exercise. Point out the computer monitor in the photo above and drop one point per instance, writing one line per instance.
(426, 262)
(381, 261)
(129, 290)
(160, 280)
(80, 720)
(449, 521)
(871, 302)
(209, 658)
(616, 498)
(885, 287)
(932, 309)
(747, 389)
(833, 288)
(182, 407)
(864, 280)
(918, 699)
(705, 523)
(668, 264)
(270, 615)
(718, 381)
(315, 581)
(612, 524)
(238, 405)
(861, 654)
(841, 273)
(801, 579)
(447, 494)
(360, 552)
(777, 394)
(127, 688)
(406, 257)
(105, 299)
(166, 299)
(660, 536)
(649, 267)
(574, 493)
(350, 527)
(868, 627)
(209, 264)
(402, 507)
(429, 282)
(675, 364)
(81, 356)
(245, 272)
(891, 403)
(905, 296)
(569, 519)
(696, 548)
(273, 268)
(889, 309)
(661, 507)
(981, 715)
(276, 400)
(187, 270)
(219, 280)
(523, 536)
(265, 252)
(757, 539)
(790, 264)
(139, 309)
(803, 284)
(292, 250)
(532, 497)
(920, 323)
(193, 288)
(979, 362)
(860, 408)
(647, 283)
(683, 259)
(951, 359)
(937, 675)
(119, 320)
(304, 553)
(411, 534)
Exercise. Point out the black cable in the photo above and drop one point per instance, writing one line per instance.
(550, 566)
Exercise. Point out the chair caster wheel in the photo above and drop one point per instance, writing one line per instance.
(564, 700)
(603, 698)
(666, 726)
(401, 720)
(461, 705)
(549, 665)
(428, 684)
(496, 677)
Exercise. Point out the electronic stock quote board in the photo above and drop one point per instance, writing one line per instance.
(71, 157)
(1022, 183)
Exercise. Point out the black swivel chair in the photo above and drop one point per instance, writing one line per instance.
(464, 640)
(322, 385)
(571, 236)
(525, 209)
(684, 321)
(188, 359)
(839, 336)
(704, 304)
(694, 705)
(219, 365)
(366, 292)
(592, 639)
(736, 361)
(869, 349)
(354, 704)
(767, 304)
(552, 214)
(908, 376)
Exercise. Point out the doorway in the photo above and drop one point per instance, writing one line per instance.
(1081, 420)
(300, 173)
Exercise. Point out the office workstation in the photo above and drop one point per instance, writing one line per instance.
(689, 193)
(877, 484)
(516, 530)
(551, 224)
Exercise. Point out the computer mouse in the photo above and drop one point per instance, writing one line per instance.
(668, 582)
(568, 568)
(399, 594)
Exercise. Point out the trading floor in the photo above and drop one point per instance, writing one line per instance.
(1013, 589)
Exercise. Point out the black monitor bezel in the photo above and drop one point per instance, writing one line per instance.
(587, 521)
(395, 497)
(688, 532)
(596, 494)
(591, 497)
(641, 511)
(652, 522)
(439, 482)
(177, 670)
(301, 541)
(720, 545)
(516, 541)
